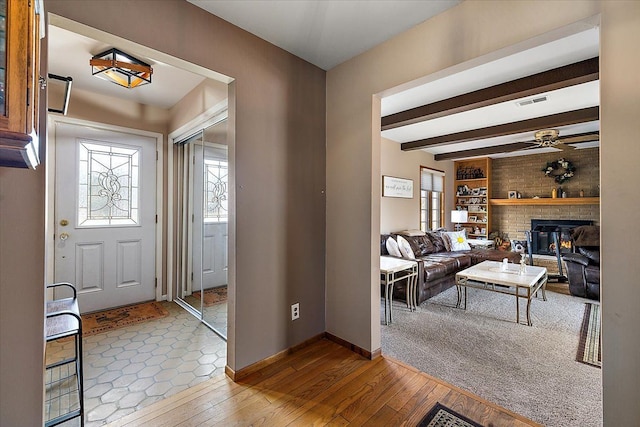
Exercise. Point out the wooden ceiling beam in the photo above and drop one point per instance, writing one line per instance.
(516, 146)
(483, 152)
(557, 78)
(529, 125)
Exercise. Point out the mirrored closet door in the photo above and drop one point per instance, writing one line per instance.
(201, 165)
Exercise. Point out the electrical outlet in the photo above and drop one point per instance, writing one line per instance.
(295, 311)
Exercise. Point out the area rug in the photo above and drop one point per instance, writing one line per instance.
(589, 350)
(441, 416)
(102, 321)
(213, 296)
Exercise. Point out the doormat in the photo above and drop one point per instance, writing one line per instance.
(589, 350)
(213, 296)
(441, 416)
(102, 321)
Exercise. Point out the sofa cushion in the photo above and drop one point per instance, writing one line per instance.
(405, 248)
(392, 247)
(421, 245)
(592, 274)
(436, 267)
(436, 239)
(592, 253)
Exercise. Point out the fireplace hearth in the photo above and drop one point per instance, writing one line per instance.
(542, 241)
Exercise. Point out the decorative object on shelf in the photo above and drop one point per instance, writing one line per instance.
(397, 187)
(513, 194)
(459, 217)
(469, 172)
(463, 190)
(565, 166)
(121, 68)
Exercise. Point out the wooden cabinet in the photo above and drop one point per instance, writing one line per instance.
(19, 82)
(473, 192)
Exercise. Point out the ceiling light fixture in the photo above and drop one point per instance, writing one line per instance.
(121, 68)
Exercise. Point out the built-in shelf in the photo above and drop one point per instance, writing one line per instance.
(547, 201)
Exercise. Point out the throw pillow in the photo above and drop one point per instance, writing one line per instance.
(446, 240)
(421, 245)
(411, 233)
(405, 248)
(392, 248)
(458, 240)
(519, 246)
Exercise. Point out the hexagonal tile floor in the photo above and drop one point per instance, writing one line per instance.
(129, 368)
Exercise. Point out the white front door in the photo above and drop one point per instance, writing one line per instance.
(105, 192)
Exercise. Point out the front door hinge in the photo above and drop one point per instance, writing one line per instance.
(156, 218)
(157, 155)
(156, 283)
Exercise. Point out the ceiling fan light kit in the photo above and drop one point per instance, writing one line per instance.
(121, 68)
(547, 137)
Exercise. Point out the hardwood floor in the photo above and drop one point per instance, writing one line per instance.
(321, 384)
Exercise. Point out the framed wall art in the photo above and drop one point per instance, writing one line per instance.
(397, 187)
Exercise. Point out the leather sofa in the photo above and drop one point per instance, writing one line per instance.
(438, 266)
(583, 266)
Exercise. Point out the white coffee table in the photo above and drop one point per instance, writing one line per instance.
(393, 270)
(490, 276)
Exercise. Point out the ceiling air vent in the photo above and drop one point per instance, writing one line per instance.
(532, 101)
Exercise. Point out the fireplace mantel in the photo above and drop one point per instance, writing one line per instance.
(546, 201)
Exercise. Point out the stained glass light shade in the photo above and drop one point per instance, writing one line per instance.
(121, 68)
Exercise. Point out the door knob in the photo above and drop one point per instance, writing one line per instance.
(64, 236)
(64, 222)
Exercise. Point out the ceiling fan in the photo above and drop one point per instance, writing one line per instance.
(551, 138)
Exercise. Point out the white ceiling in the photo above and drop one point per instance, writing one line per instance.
(567, 50)
(69, 55)
(326, 32)
(329, 32)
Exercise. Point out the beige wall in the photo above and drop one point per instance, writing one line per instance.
(460, 34)
(203, 97)
(278, 235)
(404, 214)
(21, 296)
(619, 174)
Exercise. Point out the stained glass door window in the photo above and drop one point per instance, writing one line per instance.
(216, 197)
(108, 185)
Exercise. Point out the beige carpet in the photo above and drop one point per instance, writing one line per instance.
(530, 370)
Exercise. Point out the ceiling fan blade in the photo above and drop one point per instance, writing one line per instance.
(582, 137)
(564, 147)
